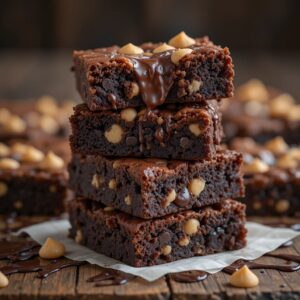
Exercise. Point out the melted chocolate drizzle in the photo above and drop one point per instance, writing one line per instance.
(189, 276)
(111, 277)
(44, 268)
(154, 76)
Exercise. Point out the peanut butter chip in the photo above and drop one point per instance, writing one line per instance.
(15, 124)
(48, 124)
(195, 129)
(114, 134)
(18, 204)
(191, 226)
(51, 162)
(244, 278)
(52, 249)
(282, 206)
(134, 90)
(166, 250)
(3, 189)
(130, 49)
(181, 40)
(184, 241)
(281, 105)
(4, 115)
(162, 48)
(256, 166)
(4, 150)
(128, 200)
(287, 162)
(170, 198)
(47, 105)
(32, 154)
(177, 55)
(78, 237)
(294, 114)
(3, 280)
(19, 149)
(277, 145)
(112, 184)
(108, 208)
(9, 164)
(253, 90)
(97, 181)
(196, 186)
(128, 114)
(194, 86)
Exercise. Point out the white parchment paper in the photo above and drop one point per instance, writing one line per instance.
(261, 239)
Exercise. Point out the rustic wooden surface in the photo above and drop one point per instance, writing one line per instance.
(70, 283)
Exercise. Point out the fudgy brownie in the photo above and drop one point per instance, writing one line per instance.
(34, 119)
(180, 132)
(141, 242)
(31, 181)
(186, 70)
(149, 188)
(272, 177)
(261, 113)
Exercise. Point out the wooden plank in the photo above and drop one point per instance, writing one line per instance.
(135, 289)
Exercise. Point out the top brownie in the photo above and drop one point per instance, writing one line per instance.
(184, 70)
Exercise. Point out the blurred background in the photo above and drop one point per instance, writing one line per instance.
(37, 37)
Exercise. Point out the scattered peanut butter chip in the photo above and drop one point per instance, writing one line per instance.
(4, 150)
(9, 164)
(277, 145)
(244, 278)
(177, 55)
(33, 155)
(3, 280)
(52, 249)
(47, 105)
(181, 40)
(15, 124)
(130, 49)
(48, 124)
(51, 162)
(162, 48)
(253, 90)
(5, 115)
(256, 166)
(114, 134)
(191, 226)
(195, 129)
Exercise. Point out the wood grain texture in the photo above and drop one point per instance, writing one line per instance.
(71, 283)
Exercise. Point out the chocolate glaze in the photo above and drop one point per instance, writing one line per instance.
(18, 250)
(189, 276)
(111, 277)
(44, 268)
(154, 74)
(253, 265)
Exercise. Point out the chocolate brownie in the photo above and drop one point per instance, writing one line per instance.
(180, 132)
(149, 188)
(34, 119)
(32, 182)
(139, 242)
(186, 70)
(262, 113)
(272, 177)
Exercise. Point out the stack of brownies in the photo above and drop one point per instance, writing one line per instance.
(152, 183)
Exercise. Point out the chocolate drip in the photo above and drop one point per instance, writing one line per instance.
(111, 277)
(253, 265)
(189, 276)
(44, 268)
(154, 76)
(19, 250)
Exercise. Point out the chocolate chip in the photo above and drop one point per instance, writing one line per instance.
(184, 142)
(131, 140)
(164, 238)
(183, 198)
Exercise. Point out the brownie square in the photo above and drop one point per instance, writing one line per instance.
(272, 177)
(179, 132)
(32, 181)
(139, 242)
(149, 188)
(262, 113)
(115, 78)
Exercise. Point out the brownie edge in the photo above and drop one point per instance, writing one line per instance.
(141, 243)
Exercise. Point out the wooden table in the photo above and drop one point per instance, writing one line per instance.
(71, 283)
